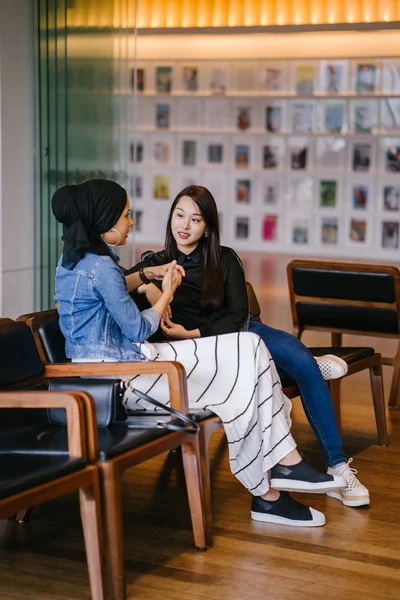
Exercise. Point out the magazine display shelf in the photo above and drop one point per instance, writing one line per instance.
(302, 156)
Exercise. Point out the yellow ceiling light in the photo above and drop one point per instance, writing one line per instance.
(159, 14)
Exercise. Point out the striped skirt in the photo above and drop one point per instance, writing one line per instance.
(235, 377)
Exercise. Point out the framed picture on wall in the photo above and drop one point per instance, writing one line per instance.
(327, 193)
(300, 193)
(299, 153)
(333, 116)
(271, 153)
(360, 196)
(274, 116)
(218, 78)
(243, 191)
(190, 79)
(390, 114)
(271, 190)
(190, 114)
(361, 157)
(161, 187)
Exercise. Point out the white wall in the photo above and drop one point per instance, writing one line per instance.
(16, 157)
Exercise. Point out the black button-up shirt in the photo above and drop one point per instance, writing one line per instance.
(186, 305)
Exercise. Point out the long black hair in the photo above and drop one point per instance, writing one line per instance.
(212, 295)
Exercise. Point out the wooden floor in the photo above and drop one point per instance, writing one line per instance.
(356, 555)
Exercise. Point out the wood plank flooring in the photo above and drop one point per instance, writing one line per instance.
(356, 555)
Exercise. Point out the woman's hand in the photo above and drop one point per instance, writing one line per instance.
(176, 331)
(158, 273)
(172, 279)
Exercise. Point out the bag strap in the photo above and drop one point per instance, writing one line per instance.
(189, 425)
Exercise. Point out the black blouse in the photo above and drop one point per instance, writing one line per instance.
(186, 305)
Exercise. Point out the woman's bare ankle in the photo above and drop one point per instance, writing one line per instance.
(293, 458)
(271, 495)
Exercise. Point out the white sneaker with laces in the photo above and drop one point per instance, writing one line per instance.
(331, 366)
(355, 494)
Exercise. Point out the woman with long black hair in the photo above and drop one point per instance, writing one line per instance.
(213, 300)
(232, 375)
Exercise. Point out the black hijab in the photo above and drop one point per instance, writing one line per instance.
(86, 211)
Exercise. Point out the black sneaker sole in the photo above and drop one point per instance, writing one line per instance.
(318, 519)
(293, 485)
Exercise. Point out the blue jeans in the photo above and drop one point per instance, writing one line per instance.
(294, 360)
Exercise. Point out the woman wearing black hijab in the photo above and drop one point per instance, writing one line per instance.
(233, 375)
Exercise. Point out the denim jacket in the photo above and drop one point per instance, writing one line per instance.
(97, 316)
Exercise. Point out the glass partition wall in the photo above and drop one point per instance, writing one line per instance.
(83, 110)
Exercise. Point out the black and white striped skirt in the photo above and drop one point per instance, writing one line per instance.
(234, 376)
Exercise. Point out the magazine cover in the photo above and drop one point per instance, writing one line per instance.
(329, 231)
(218, 81)
(243, 78)
(330, 152)
(300, 231)
(271, 192)
(362, 157)
(360, 195)
(304, 79)
(190, 113)
(390, 114)
(162, 153)
(136, 186)
(162, 116)
(365, 79)
(391, 75)
(164, 79)
(217, 113)
(334, 117)
(138, 156)
(365, 117)
(391, 198)
(298, 157)
(243, 191)
(273, 118)
(333, 78)
(242, 156)
(189, 79)
(301, 193)
(242, 228)
(270, 228)
(302, 117)
(139, 221)
(161, 187)
(189, 152)
(390, 235)
(358, 230)
(327, 193)
(138, 75)
(392, 158)
(273, 79)
(215, 153)
(243, 118)
(270, 157)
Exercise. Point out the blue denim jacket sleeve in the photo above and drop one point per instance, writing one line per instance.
(110, 283)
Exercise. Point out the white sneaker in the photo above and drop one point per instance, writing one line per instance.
(331, 366)
(355, 494)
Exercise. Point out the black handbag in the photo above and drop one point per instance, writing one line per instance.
(108, 396)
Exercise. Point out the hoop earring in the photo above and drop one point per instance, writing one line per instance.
(206, 234)
(112, 245)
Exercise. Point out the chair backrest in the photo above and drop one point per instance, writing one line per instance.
(344, 297)
(254, 306)
(48, 336)
(20, 361)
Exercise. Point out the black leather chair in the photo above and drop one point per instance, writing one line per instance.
(37, 468)
(120, 447)
(345, 298)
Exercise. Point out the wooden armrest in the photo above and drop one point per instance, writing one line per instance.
(174, 370)
(76, 405)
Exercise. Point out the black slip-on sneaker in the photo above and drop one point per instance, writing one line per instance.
(302, 477)
(285, 511)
